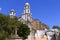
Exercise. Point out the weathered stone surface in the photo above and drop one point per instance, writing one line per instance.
(14, 37)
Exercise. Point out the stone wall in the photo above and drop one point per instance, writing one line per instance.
(40, 35)
(14, 39)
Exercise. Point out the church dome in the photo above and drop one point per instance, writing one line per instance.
(27, 3)
(12, 10)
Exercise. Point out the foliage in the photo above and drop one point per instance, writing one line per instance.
(8, 26)
(3, 23)
(3, 35)
(57, 27)
(23, 31)
(12, 24)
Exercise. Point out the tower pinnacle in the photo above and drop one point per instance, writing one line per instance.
(27, 8)
(27, 3)
(12, 13)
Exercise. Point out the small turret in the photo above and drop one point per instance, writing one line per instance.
(27, 8)
(12, 13)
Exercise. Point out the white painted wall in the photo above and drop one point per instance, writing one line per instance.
(40, 33)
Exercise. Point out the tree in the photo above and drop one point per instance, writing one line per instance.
(12, 25)
(3, 23)
(57, 27)
(23, 31)
(8, 25)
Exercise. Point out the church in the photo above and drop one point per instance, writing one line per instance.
(37, 28)
(33, 24)
(26, 18)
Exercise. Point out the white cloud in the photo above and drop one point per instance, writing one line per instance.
(0, 9)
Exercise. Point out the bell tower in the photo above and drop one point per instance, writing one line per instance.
(26, 13)
(27, 8)
(26, 18)
(12, 13)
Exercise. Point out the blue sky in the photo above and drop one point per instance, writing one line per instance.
(47, 11)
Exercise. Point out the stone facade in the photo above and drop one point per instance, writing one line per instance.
(38, 30)
(15, 37)
(33, 24)
(40, 35)
(51, 34)
(41, 38)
